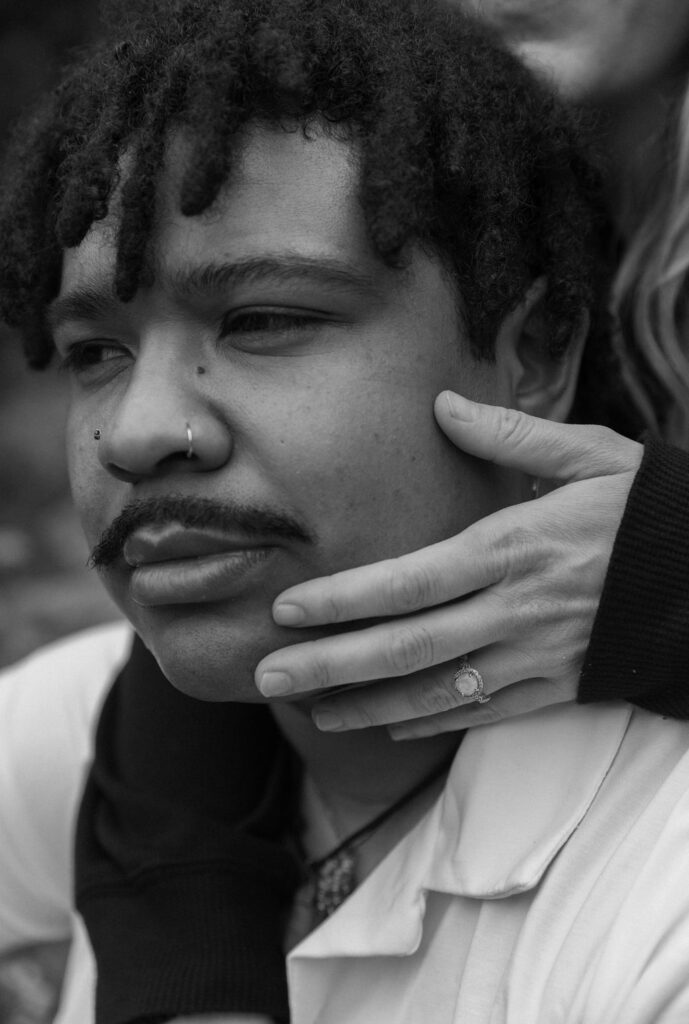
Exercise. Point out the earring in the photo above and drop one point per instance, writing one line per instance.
(96, 435)
(535, 487)
(190, 443)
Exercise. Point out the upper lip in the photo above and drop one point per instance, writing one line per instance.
(171, 541)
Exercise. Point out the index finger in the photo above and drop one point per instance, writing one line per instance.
(441, 572)
(538, 447)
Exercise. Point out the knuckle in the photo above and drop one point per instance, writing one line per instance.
(365, 714)
(333, 609)
(469, 715)
(515, 551)
(320, 673)
(606, 440)
(410, 648)
(436, 698)
(602, 437)
(511, 427)
(488, 714)
(612, 452)
(409, 589)
(532, 611)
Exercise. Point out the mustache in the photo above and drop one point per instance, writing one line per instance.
(231, 517)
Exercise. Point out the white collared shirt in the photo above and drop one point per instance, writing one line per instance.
(549, 883)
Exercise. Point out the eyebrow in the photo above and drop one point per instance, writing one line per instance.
(98, 301)
(326, 270)
(88, 303)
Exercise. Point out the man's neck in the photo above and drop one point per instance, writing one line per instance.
(360, 773)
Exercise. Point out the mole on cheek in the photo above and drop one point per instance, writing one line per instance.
(200, 370)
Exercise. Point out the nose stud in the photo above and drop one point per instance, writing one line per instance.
(190, 440)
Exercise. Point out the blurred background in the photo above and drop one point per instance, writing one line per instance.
(46, 590)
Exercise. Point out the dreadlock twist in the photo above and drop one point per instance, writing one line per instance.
(461, 150)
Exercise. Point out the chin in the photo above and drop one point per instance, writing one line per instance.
(208, 656)
(206, 680)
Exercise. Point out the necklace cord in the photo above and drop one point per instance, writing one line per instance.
(362, 833)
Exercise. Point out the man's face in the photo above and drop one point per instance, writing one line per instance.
(306, 371)
(593, 49)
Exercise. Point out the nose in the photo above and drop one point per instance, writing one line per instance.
(162, 423)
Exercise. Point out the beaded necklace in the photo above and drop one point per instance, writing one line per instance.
(334, 876)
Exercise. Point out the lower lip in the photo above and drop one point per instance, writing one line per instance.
(197, 580)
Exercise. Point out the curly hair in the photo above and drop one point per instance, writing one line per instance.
(461, 150)
(650, 293)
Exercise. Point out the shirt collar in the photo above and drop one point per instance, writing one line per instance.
(515, 793)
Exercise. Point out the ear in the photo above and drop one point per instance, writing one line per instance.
(531, 379)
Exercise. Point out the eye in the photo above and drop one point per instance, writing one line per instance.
(268, 327)
(93, 360)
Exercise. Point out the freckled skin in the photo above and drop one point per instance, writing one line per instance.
(333, 423)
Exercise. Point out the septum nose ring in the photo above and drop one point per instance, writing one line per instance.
(190, 442)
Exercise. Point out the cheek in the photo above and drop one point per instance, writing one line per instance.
(368, 467)
(88, 481)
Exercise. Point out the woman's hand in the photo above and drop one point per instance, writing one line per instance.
(517, 592)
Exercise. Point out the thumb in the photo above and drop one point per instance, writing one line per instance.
(555, 451)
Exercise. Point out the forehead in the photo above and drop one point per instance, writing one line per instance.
(288, 192)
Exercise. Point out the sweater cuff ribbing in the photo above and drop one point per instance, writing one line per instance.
(191, 943)
(639, 649)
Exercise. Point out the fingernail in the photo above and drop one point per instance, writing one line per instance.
(460, 408)
(328, 721)
(275, 684)
(288, 614)
(401, 732)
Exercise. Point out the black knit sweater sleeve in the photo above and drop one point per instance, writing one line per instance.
(639, 649)
(181, 877)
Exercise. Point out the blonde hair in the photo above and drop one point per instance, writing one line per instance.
(650, 297)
